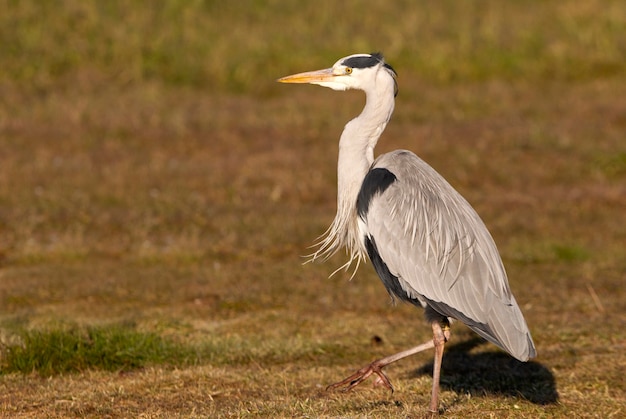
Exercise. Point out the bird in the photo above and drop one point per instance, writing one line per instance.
(427, 244)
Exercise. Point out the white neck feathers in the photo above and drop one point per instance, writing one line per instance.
(356, 155)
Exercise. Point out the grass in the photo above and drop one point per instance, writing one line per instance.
(198, 44)
(157, 189)
(122, 348)
(70, 350)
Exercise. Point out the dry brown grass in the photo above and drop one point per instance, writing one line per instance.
(185, 211)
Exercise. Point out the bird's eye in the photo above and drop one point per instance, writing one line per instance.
(348, 70)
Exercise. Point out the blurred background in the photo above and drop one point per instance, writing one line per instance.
(108, 109)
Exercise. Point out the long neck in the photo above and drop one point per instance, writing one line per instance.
(356, 155)
(356, 146)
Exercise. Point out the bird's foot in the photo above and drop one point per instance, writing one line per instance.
(361, 375)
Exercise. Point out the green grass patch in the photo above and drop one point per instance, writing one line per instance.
(611, 165)
(570, 253)
(74, 349)
(119, 347)
(551, 252)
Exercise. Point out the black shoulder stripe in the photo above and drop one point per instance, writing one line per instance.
(376, 182)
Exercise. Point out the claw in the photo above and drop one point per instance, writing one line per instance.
(360, 376)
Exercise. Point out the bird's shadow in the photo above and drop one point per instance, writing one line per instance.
(492, 373)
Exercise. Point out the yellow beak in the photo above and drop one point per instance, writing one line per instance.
(317, 76)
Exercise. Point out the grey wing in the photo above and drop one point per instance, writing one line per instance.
(436, 249)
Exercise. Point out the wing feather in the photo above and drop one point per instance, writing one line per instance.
(442, 254)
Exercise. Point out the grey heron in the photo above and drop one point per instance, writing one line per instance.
(427, 244)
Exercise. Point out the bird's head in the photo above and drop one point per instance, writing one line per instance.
(357, 71)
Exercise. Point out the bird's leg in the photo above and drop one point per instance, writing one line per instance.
(441, 334)
(376, 368)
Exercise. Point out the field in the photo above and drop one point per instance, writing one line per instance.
(158, 190)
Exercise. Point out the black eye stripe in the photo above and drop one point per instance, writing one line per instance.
(364, 61)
